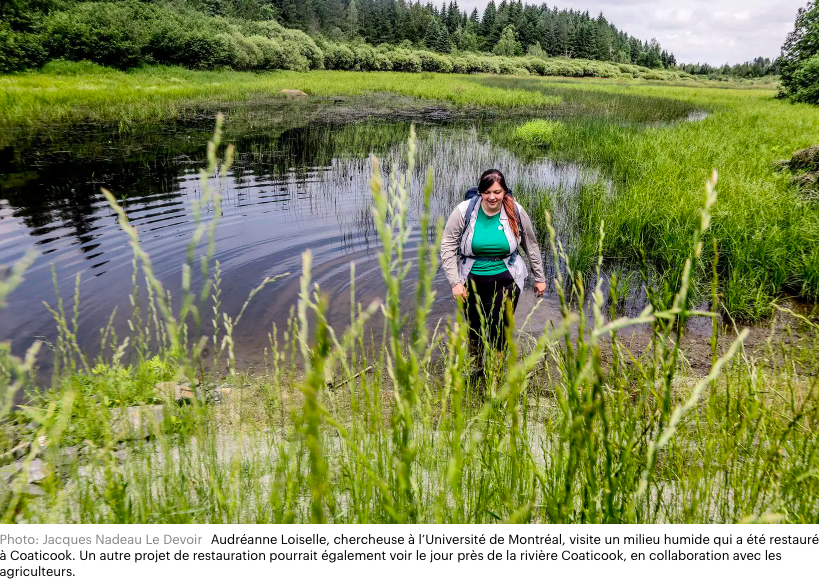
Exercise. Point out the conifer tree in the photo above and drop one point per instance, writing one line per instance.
(352, 19)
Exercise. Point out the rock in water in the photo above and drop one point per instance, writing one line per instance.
(176, 392)
(294, 94)
(137, 421)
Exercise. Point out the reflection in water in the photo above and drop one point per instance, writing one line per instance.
(288, 191)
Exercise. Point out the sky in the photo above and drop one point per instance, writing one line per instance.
(696, 31)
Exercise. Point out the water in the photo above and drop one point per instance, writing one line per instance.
(293, 187)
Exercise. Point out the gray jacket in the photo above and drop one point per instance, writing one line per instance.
(457, 269)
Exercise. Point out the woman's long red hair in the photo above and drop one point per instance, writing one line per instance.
(488, 178)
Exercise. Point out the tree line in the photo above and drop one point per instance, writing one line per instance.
(520, 28)
(398, 35)
(759, 67)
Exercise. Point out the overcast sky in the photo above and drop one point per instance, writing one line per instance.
(713, 31)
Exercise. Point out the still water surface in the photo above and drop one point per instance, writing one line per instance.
(302, 187)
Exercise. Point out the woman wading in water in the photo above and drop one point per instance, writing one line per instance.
(479, 253)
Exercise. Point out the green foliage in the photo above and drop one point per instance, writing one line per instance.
(799, 53)
(175, 44)
(405, 61)
(466, 40)
(205, 34)
(20, 49)
(542, 133)
(365, 59)
(434, 62)
(567, 32)
(806, 81)
(507, 45)
(536, 51)
(107, 33)
(338, 56)
(62, 67)
(130, 33)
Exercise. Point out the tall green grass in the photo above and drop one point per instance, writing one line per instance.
(766, 229)
(568, 427)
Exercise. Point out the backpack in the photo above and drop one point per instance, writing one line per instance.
(474, 197)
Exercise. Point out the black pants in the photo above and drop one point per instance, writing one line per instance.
(489, 293)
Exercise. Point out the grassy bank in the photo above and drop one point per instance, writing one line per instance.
(766, 229)
(553, 434)
(95, 93)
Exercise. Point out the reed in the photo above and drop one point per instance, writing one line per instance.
(568, 426)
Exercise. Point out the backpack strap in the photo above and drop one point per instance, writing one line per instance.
(469, 210)
(514, 255)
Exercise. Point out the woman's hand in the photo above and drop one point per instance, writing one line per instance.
(540, 288)
(459, 291)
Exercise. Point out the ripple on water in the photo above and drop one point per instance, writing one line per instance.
(306, 189)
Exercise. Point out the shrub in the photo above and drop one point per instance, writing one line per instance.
(589, 69)
(382, 62)
(106, 33)
(338, 57)
(405, 61)
(307, 53)
(20, 50)
(364, 58)
(536, 65)
(460, 65)
(806, 81)
(606, 70)
(266, 28)
(298, 57)
(434, 62)
(568, 69)
(300, 50)
(129, 33)
(480, 64)
(506, 66)
(173, 45)
(237, 58)
(273, 55)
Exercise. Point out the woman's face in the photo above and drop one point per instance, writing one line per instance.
(493, 198)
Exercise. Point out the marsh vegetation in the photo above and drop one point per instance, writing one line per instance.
(358, 410)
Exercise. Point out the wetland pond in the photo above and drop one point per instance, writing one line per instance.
(298, 182)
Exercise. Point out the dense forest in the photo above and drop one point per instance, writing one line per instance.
(399, 35)
(32, 31)
(554, 32)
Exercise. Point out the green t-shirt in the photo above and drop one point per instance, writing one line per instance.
(489, 240)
